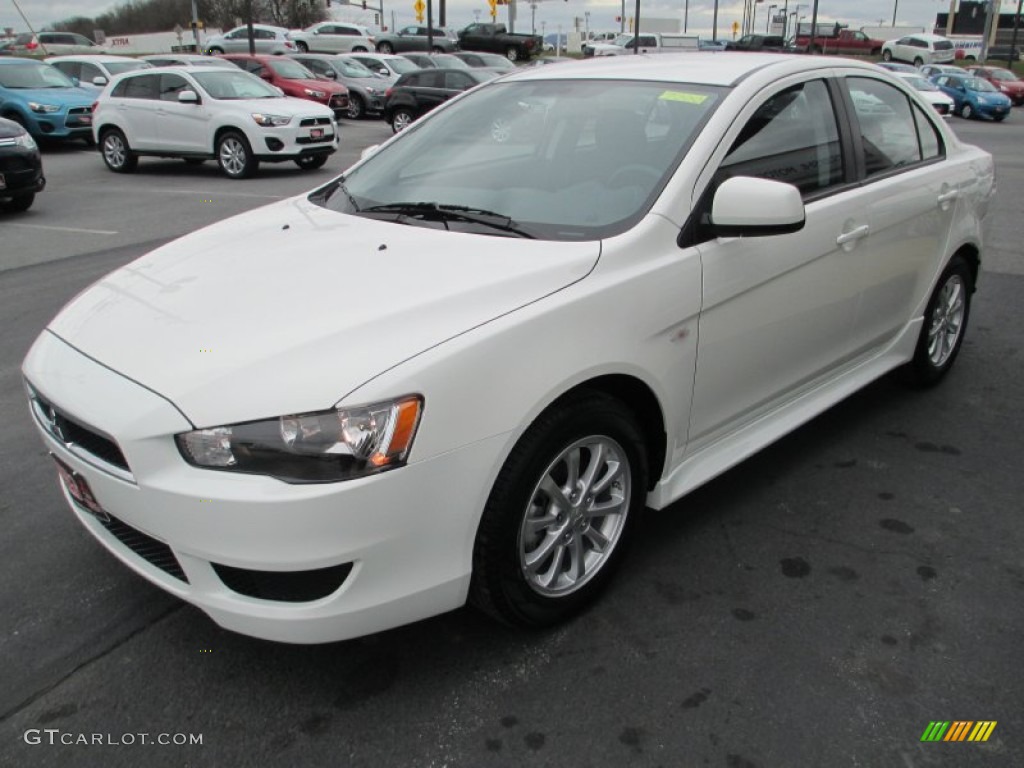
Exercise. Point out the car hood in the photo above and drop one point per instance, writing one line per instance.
(319, 85)
(68, 97)
(290, 307)
(283, 105)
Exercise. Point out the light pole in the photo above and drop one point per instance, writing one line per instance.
(753, 15)
(767, 24)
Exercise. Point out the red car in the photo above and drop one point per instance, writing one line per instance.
(1008, 83)
(294, 79)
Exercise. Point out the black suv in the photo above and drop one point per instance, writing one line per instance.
(416, 93)
(773, 43)
(21, 168)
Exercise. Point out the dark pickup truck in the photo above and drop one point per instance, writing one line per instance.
(757, 43)
(496, 39)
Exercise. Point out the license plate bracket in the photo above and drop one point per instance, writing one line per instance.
(80, 491)
(316, 133)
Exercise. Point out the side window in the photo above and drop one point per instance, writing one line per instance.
(430, 80)
(646, 41)
(89, 72)
(928, 136)
(889, 134)
(120, 90)
(171, 86)
(456, 80)
(318, 67)
(69, 68)
(793, 137)
(263, 34)
(141, 87)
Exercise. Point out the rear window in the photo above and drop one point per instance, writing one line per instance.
(943, 45)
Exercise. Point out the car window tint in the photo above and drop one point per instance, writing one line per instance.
(889, 135)
(142, 87)
(431, 80)
(69, 68)
(120, 89)
(793, 137)
(171, 86)
(89, 72)
(928, 136)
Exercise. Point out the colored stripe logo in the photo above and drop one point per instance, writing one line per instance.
(958, 730)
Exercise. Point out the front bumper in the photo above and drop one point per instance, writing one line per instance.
(75, 123)
(21, 171)
(399, 544)
(309, 136)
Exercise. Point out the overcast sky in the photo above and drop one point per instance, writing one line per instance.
(554, 12)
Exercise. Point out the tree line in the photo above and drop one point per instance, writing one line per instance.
(142, 16)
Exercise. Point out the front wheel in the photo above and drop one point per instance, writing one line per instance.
(557, 521)
(360, 49)
(945, 321)
(116, 153)
(356, 108)
(918, 62)
(385, 48)
(512, 53)
(19, 204)
(303, 48)
(310, 162)
(437, 49)
(401, 119)
(216, 51)
(886, 55)
(235, 157)
(967, 111)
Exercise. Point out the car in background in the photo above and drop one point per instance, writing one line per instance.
(480, 60)
(896, 66)
(21, 168)
(543, 61)
(7, 48)
(365, 89)
(462, 370)
(931, 70)
(1005, 81)
(712, 45)
(974, 97)
(333, 37)
(929, 91)
(760, 43)
(919, 49)
(415, 38)
(201, 113)
(266, 39)
(436, 60)
(182, 59)
(416, 93)
(94, 71)
(44, 100)
(54, 44)
(386, 65)
(293, 79)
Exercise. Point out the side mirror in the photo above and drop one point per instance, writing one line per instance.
(382, 71)
(331, 74)
(188, 97)
(99, 80)
(745, 206)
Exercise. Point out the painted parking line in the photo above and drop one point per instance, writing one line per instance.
(76, 230)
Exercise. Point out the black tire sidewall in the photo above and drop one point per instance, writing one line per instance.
(924, 372)
(498, 584)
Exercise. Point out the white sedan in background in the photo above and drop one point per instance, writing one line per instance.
(94, 71)
(930, 92)
(460, 371)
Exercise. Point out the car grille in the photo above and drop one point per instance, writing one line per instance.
(79, 116)
(325, 139)
(154, 552)
(942, 108)
(284, 586)
(309, 122)
(72, 433)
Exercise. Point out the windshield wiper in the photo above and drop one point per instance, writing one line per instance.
(446, 213)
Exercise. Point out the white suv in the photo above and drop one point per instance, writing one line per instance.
(920, 49)
(333, 37)
(199, 113)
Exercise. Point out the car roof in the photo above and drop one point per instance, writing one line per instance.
(98, 57)
(16, 60)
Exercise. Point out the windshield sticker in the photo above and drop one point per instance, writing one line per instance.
(687, 98)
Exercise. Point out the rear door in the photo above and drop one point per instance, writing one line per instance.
(182, 126)
(137, 109)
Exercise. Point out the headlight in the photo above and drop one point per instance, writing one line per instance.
(314, 94)
(35, 106)
(25, 140)
(322, 447)
(270, 120)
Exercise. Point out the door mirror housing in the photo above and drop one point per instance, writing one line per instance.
(188, 97)
(99, 80)
(745, 206)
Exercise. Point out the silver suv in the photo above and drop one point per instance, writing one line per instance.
(267, 39)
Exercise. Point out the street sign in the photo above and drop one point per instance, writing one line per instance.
(419, 7)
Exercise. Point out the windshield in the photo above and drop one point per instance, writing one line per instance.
(401, 66)
(225, 84)
(1002, 74)
(351, 68)
(291, 70)
(622, 40)
(33, 76)
(447, 60)
(560, 159)
(921, 84)
(118, 67)
(979, 85)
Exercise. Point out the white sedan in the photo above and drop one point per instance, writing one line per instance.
(460, 371)
(930, 92)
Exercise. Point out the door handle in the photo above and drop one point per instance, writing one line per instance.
(947, 197)
(854, 234)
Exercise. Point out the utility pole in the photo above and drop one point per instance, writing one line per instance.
(430, 26)
(636, 28)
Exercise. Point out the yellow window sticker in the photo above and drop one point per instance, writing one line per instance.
(686, 98)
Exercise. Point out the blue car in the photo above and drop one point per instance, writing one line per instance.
(44, 100)
(974, 97)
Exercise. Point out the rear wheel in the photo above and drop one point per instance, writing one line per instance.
(512, 53)
(360, 49)
(385, 48)
(116, 153)
(437, 49)
(303, 48)
(216, 51)
(310, 162)
(401, 119)
(886, 55)
(918, 62)
(945, 321)
(557, 521)
(235, 157)
(19, 203)
(967, 111)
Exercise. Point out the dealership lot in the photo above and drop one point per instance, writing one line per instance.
(818, 605)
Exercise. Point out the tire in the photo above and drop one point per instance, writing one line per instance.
(356, 107)
(303, 48)
(385, 48)
(116, 153)
(437, 49)
(945, 321)
(541, 554)
(401, 119)
(918, 62)
(216, 51)
(999, 118)
(886, 55)
(966, 111)
(512, 53)
(311, 162)
(235, 157)
(18, 204)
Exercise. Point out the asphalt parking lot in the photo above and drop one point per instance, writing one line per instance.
(818, 605)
